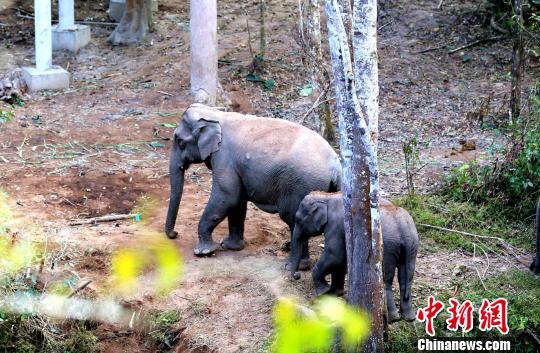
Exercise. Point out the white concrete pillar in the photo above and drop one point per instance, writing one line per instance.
(67, 35)
(66, 14)
(44, 75)
(203, 53)
(43, 34)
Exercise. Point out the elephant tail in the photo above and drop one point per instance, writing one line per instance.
(335, 182)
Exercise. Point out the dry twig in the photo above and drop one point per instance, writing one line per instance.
(476, 42)
(107, 218)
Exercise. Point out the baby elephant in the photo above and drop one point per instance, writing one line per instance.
(323, 213)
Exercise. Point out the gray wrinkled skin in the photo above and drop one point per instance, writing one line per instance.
(322, 213)
(270, 162)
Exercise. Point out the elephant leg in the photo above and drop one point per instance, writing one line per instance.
(405, 277)
(236, 217)
(135, 23)
(319, 272)
(338, 281)
(305, 263)
(220, 204)
(389, 272)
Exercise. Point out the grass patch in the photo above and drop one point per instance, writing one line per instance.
(465, 216)
(163, 328)
(23, 333)
(521, 288)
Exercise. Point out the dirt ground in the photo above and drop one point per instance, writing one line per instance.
(98, 147)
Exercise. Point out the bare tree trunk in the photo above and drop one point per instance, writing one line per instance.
(360, 185)
(517, 64)
(203, 51)
(346, 9)
(262, 30)
(365, 62)
(319, 75)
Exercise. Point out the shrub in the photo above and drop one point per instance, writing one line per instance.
(511, 184)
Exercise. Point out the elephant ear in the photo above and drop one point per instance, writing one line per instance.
(319, 212)
(209, 137)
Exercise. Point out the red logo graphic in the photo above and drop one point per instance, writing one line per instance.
(460, 315)
(429, 313)
(494, 315)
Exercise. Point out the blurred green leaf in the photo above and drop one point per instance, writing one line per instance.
(306, 90)
(300, 329)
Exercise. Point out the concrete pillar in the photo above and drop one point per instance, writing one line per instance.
(43, 36)
(203, 53)
(44, 75)
(66, 14)
(68, 35)
(117, 8)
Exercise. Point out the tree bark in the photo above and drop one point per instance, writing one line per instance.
(319, 75)
(517, 64)
(365, 63)
(360, 185)
(203, 51)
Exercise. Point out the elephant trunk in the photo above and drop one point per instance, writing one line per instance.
(296, 252)
(177, 187)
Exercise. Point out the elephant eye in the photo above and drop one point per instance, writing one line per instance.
(180, 142)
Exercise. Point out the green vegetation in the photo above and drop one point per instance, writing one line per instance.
(163, 328)
(5, 116)
(445, 212)
(510, 185)
(503, 13)
(521, 288)
(20, 333)
(300, 329)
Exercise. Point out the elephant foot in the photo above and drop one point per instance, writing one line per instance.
(393, 316)
(338, 292)
(535, 266)
(133, 27)
(408, 314)
(322, 290)
(305, 264)
(205, 248)
(172, 234)
(230, 243)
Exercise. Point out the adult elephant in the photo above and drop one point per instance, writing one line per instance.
(271, 162)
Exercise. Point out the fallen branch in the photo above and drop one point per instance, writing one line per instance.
(90, 23)
(476, 42)
(107, 218)
(83, 286)
(431, 49)
(316, 104)
(476, 268)
(504, 243)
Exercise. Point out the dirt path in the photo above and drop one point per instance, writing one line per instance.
(97, 147)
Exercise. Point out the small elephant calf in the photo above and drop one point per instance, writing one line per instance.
(323, 213)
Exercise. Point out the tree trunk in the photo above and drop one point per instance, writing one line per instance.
(517, 64)
(360, 185)
(203, 51)
(365, 63)
(319, 75)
